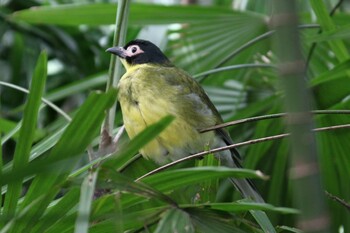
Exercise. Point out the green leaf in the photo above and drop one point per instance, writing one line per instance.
(335, 34)
(104, 13)
(131, 220)
(208, 221)
(20, 214)
(58, 210)
(209, 188)
(168, 180)
(289, 229)
(7, 125)
(118, 181)
(46, 144)
(75, 139)
(175, 220)
(86, 197)
(327, 24)
(79, 86)
(147, 135)
(12, 133)
(245, 206)
(26, 133)
(339, 71)
(1, 166)
(263, 221)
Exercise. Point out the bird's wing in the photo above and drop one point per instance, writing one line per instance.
(203, 98)
(245, 186)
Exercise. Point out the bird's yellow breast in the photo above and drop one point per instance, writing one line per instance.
(149, 92)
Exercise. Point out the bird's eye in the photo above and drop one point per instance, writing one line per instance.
(133, 50)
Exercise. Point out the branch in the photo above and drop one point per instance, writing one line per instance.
(339, 200)
(271, 116)
(253, 141)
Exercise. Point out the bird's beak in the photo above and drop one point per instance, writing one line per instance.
(119, 51)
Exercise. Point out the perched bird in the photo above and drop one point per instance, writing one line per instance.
(152, 88)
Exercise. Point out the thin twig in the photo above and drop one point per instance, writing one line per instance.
(339, 200)
(327, 128)
(271, 116)
(233, 67)
(203, 153)
(253, 141)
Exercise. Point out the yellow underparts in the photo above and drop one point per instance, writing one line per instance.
(147, 93)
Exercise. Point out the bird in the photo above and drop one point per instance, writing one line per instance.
(152, 88)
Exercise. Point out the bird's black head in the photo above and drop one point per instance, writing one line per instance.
(140, 52)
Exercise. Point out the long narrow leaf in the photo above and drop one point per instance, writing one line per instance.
(26, 134)
(73, 142)
(101, 14)
(58, 210)
(139, 141)
(175, 220)
(86, 196)
(169, 180)
(327, 24)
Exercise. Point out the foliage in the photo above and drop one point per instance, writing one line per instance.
(52, 172)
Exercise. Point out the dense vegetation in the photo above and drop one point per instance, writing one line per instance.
(58, 174)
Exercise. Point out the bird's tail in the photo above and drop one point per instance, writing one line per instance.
(247, 189)
(232, 159)
(244, 186)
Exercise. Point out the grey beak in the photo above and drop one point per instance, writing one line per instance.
(119, 51)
